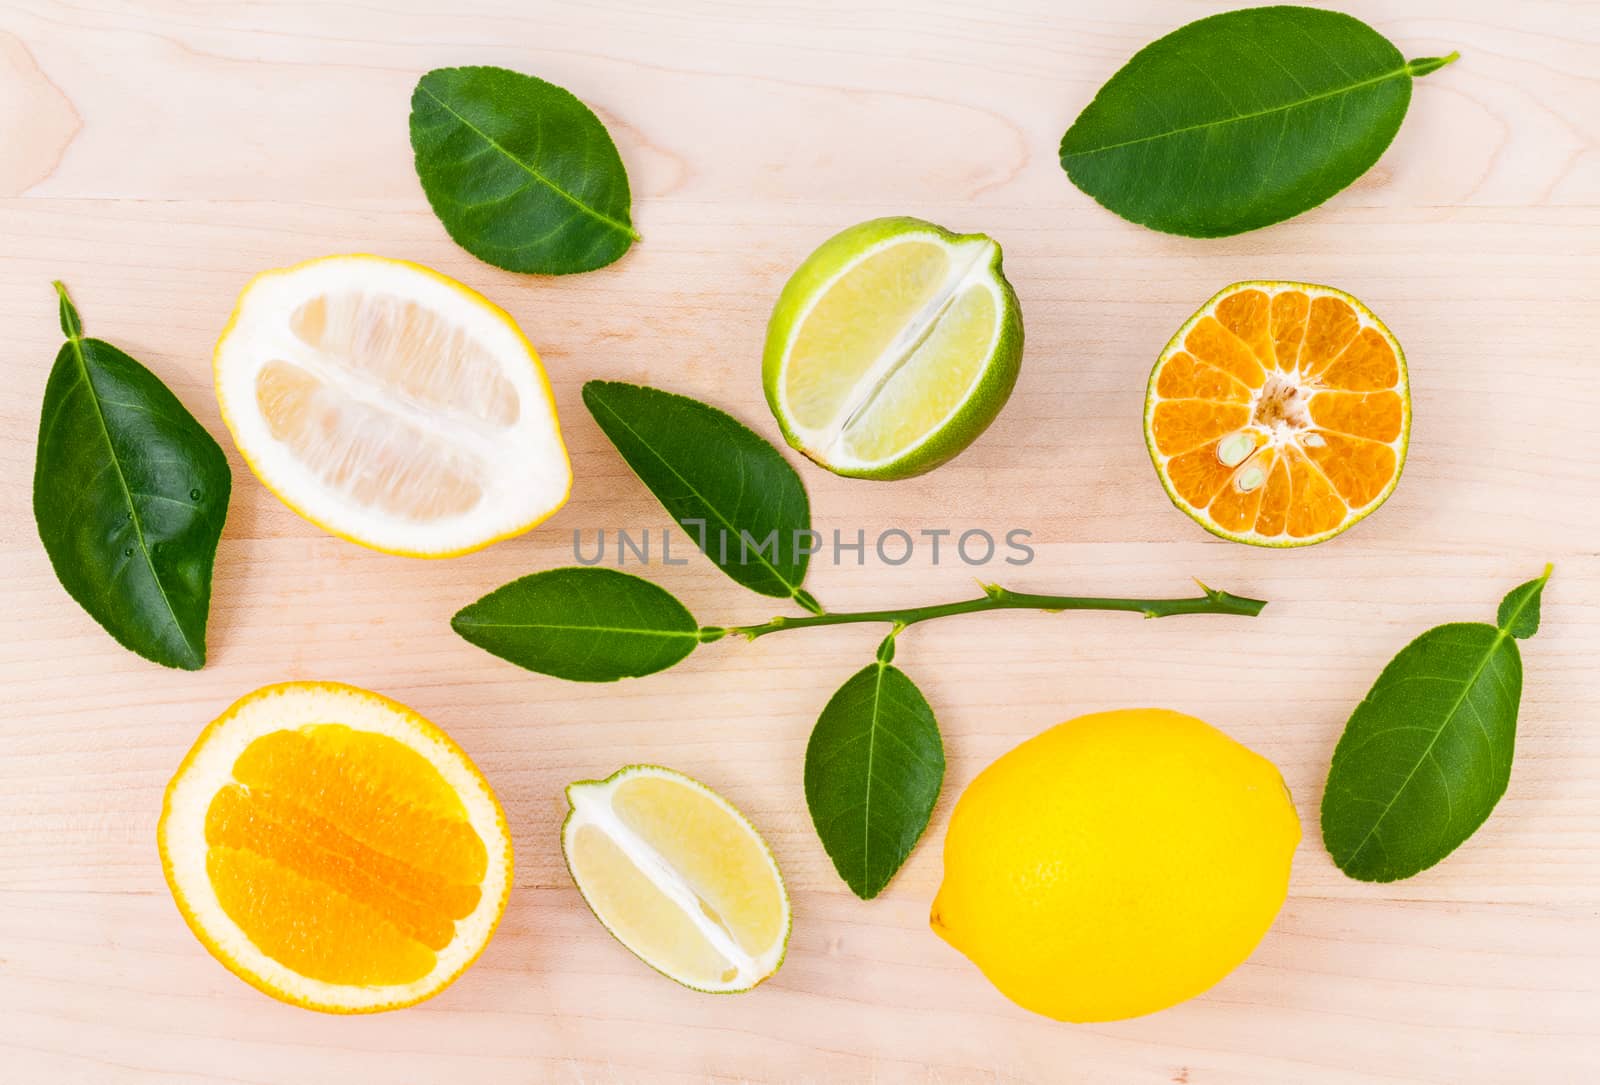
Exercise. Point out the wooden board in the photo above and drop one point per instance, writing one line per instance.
(156, 155)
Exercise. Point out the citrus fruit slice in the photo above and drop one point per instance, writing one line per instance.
(334, 849)
(1279, 414)
(391, 405)
(892, 348)
(678, 876)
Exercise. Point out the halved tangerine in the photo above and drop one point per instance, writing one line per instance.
(1279, 414)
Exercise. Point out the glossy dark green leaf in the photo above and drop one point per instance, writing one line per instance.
(582, 624)
(129, 494)
(735, 494)
(522, 174)
(1519, 610)
(1427, 755)
(874, 766)
(1240, 120)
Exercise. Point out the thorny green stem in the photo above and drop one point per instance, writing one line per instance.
(997, 598)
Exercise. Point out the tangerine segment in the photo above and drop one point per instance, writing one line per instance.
(334, 849)
(1215, 345)
(1330, 327)
(1368, 364)
(1274, 512)
(1377, 416)
(1289, 309)
(1199, 474)
(1237, 508)
(1357, 468)
(1183, 424)
(1279, 413)
(1247, 315)
(1186, 377)
(1314, 506)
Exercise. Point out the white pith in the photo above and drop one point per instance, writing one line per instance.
(591, 807)
(1281, 435)
(184, 838)
(975, 270)
(524, 468)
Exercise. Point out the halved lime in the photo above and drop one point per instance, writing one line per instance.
(892, 348)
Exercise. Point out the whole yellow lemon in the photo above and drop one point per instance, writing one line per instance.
(1116, 864)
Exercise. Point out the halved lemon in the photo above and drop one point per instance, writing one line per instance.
(334, 849)
(892, 348)
(391, 405)
(678, 876)
(1279, 414)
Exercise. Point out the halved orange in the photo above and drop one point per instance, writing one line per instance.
(334, 849)
(1279, 414)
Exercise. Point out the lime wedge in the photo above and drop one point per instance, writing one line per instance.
(679, 876)
(892, 348)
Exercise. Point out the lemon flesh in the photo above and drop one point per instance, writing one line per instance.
(391, 405)
(679, 876)
(1116, 864)
(892, 347)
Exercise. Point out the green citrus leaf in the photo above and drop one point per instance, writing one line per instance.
(129, 494)
(735, 494)
(1240, 120)
(874, 766)
(1427, 755)
(522, 174)
(1519, 610)
(582, 624)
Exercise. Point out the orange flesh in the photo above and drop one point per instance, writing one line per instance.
(343, 855)
(1279, 414)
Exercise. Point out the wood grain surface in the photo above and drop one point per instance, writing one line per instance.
(156, 155)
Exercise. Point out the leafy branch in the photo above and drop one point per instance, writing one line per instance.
(875, 761)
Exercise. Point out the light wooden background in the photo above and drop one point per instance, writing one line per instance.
(156, 155)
